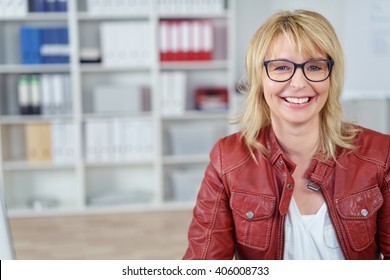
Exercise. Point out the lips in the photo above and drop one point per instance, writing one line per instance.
(297, 100)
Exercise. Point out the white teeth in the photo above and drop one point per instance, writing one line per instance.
(297, 100)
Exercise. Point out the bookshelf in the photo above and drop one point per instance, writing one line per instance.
(154, 154)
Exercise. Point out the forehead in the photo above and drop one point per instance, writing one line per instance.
(289, 46)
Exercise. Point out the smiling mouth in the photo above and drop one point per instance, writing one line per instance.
(295, 100)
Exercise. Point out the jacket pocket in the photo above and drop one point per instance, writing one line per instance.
(330, 237)
(253, 217)
(358, 214)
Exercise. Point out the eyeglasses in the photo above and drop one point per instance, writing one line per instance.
(282, 70)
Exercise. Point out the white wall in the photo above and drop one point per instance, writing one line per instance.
(367, 45)
(250, 14)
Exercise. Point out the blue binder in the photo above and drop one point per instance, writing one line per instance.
(50, 6)
(30, 43)
(38, 5)
(61, 5)
(55, 40)
(63, 41)
(49, 39)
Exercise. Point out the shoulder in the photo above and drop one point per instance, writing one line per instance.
(229, 152)
(372, 145)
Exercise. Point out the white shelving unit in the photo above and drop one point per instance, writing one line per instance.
(146, 182)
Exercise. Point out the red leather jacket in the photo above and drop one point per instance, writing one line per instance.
(241, 206)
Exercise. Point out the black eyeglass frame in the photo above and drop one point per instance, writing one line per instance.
(300, 65)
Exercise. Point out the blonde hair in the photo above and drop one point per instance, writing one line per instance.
(308, 32)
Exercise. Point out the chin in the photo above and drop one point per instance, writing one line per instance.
(300, 121)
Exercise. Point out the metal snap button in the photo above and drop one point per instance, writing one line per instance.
(280, 162)
(289, 186)
(364, 212)
(250, 215)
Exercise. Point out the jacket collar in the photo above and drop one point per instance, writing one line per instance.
(318, 167)
(276, 153)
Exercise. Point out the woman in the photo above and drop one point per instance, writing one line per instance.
(296, 182)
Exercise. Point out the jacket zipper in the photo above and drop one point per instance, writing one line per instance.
(280, 246)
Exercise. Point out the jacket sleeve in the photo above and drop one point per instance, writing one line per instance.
(211, 234)
(384, 215)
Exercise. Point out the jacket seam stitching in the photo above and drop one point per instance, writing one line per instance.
(352, 241)
(387, 167)
(212, 224)
(372, 160)
(236, 165)
(249, 237)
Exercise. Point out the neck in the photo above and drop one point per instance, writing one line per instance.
(299, 142)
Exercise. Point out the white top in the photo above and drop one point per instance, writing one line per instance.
(310, 237)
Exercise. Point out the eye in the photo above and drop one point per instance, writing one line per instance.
(315, 66)
(280, 66)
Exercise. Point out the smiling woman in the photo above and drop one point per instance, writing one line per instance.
(280, 188)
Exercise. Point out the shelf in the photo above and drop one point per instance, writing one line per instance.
(185, 159)
(119, 115)
(100, 68)
(195, 65)
(24, 211)
(34, 68)
(85, 16)
(86, 182)
(221, 15)
(135, 162)
(36, 17)
(18, 119)
(24, 165)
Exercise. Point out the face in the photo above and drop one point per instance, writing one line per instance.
(297, 101)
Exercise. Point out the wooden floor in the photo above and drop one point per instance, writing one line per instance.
(129, 236)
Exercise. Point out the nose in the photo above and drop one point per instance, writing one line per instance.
(298, 80)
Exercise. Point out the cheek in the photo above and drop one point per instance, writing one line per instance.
(268, 91)
(272, 90)
(322, 89)
(324, 86)
(270, 87)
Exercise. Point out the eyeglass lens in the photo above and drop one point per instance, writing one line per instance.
(281, 70)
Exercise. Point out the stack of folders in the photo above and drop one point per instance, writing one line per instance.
(29, 95)
(173, 93)
(13, 8)
(46, 142)
(118, 140)
(45, 94)
(186, 40)
(169, 7)
(44, 45)
(129, 7)
(47, 6)
(126, 43)
(38, 142)
(62, 142)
